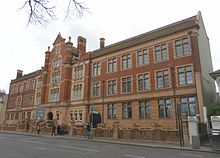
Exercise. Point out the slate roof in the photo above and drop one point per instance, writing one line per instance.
(149, 36)
(26, 76)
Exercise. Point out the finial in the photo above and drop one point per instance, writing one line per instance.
(48, 48)
(69, 38)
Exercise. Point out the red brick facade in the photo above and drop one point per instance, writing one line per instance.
(139, 82)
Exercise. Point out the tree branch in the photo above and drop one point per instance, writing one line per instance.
(40, 11)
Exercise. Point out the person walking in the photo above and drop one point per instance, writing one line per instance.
(53, 130)
(62, 129)
(38, 129)
(58, 129)
(88, 128)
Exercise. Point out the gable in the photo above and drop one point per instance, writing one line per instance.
(58, 39)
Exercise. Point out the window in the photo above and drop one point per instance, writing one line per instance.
(57, 49)
(23, 115)
(126, 61)
(12, 102)
(188, 106)
(16, 88)
(32, 84)
(29, 115)
(164, 107)
(96, 89)
(57, 63)
(143, 82)
(161, 53)
(71, 116)
(142, 57)
(78, 72)
(28, 100)
(185, 75)
(126, 85)
(144, 109)
(19, 101)
(33, 116)
(56, 77)
(38, 99)
(16, 115)
(112, 65)
(80, 115)
(182, 47)
(77, 91)
(112, 111)
(112, 87)
(54, 95)
(26, 85)
(75, 115)
(162, 78)
(12, 116)
(126, 110)
(96, 69)
(21, 87)
(39, 82)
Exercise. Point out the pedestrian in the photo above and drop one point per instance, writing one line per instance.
(53, 130)
(58, 129)
(38, 129)
(88, 128)
(62, 129)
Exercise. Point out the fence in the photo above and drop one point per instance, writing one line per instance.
(203, 133)
(155, 134)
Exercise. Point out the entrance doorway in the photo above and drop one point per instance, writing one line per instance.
(95, 118)
(50, 116)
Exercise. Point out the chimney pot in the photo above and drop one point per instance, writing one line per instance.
(102, 43)
(19, 73)
(81, 45)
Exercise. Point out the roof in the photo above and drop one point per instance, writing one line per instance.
(149, 36)
(27, 76)
(58, 39)
(215, 74)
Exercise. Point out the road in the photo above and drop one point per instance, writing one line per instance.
(24, 146)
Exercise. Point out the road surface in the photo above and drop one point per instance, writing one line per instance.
(24, 146)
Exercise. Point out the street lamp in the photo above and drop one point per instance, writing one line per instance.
(177, 110)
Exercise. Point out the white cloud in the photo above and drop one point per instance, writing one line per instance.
(23, 48)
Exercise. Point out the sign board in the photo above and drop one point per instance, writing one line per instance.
(215, 122)
(93, 110)
(40, 111)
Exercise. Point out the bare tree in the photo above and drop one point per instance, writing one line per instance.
(43, 11)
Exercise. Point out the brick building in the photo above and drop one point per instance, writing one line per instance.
(3, 104)
(144, 81)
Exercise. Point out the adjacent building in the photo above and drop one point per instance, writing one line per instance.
(150, 79)
(216, 76)
(3, 105)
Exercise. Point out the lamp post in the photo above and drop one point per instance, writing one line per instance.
(177, 110)
(180, 125)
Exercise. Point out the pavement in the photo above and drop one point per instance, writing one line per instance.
(144, 143)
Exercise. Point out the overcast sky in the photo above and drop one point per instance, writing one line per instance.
(24, 47)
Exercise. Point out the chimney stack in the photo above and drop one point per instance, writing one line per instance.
(102, 43)
(81, 45)
(19, 73)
